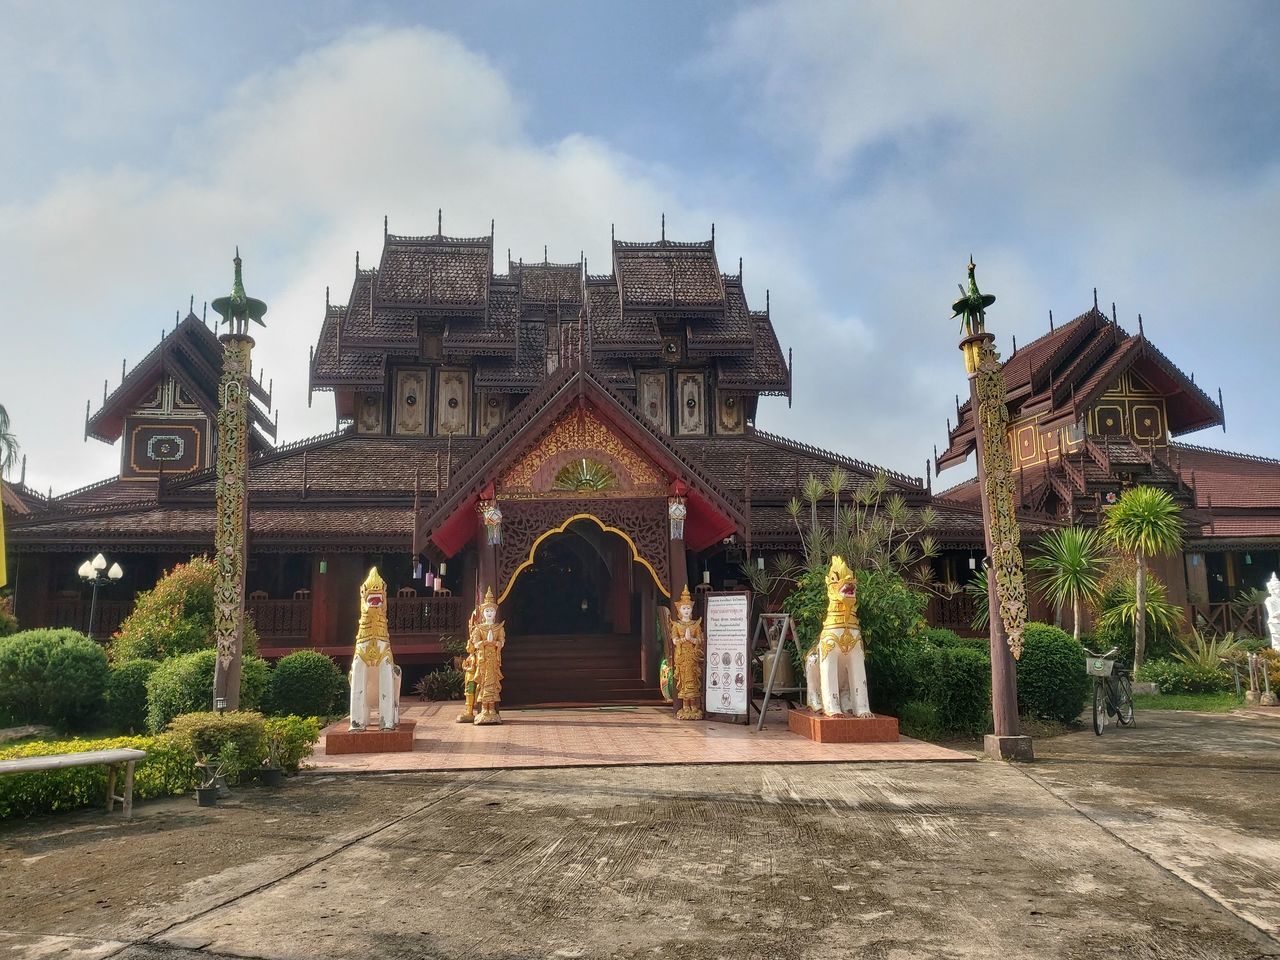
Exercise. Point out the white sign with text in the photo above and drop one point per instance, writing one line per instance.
(728, 666)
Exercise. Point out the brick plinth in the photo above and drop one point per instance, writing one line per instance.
(338, 739)
(823, 729)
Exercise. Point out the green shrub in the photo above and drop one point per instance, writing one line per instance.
(290, 739)
(956, 683)
(54, 676)
(444, 683)
(207, 732)
(168, 770)
(127, 695)
(1051, 680)
(8, 622)
(305, 683)
(185, 685)
(175, 616)
(1174, 677)
(919, 719)
(942, 637)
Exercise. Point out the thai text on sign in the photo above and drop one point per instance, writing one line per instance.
(728, 666)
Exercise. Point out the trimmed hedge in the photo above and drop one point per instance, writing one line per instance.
(55, 676)
(168, 770)
(956, 683)
(1051, 680)
(175, 617)
(1175, 677)
(127, 695)
(185, 685)
(290, 739)
(306, 684)
(208, 731)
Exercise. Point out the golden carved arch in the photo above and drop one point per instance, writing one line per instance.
(607, 528)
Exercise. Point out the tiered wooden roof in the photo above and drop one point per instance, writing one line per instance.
(619, 318)
(1061, 374)
(192, 354)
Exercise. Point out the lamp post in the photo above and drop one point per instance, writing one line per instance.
(91, 572)
(1006, 585)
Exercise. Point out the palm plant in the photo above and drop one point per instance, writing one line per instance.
(8, 443)
(1123, 609)
(1071, 562)
(836, 483)
(1205, 650)
(1143, 523)
(977, 588)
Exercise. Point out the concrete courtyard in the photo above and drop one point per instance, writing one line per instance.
(1160, 841)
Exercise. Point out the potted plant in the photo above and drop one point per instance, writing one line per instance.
(271, 773)
(215, 770)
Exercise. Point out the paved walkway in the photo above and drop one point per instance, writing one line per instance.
(607, 737)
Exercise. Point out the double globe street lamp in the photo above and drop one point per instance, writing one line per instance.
(91, 571)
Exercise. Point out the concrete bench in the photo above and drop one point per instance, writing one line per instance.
(112, 758)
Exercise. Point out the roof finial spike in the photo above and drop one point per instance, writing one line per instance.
(1015, 343)
(326, 298)
(545, 261)
(1095, 298)
(613, 236)
(357, 260)
(191, 304)
(664, 226)
(1051, 321)
(204, 312)
(508, 258)
(713, 233)
(739, 268)
(439, 221)
(22, 477)
(237, 251)
(124, 364)
(1141, 332)
(491, 225)
(1113, 314)
(384, 226)
(1222, 408)
(766, 300)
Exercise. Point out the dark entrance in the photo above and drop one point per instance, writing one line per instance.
(576, 623)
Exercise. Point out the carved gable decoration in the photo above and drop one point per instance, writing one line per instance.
(579, 436)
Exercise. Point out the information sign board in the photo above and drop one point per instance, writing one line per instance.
(727, 670)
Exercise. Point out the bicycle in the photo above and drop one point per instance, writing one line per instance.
(1112, 689)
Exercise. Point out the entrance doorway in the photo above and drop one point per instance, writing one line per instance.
(575, 623)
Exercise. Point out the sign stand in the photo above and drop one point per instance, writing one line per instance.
(727, 684)
(780, 627)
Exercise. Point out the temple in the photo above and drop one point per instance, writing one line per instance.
(585, 444)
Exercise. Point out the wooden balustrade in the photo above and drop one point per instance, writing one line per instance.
(1222, 618)
(954, 612)
(426, 614)
(74, 613)
(281, 619)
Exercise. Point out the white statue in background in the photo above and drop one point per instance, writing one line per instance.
(1273, 610)
(375, 678)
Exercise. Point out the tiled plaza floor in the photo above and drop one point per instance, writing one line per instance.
(608, 736)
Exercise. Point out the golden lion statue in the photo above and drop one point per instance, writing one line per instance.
(835, 671)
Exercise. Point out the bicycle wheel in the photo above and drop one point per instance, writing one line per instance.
(1099, 707)
(1124, 702)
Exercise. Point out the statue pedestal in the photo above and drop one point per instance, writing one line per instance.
(339, 739)
(849, 729)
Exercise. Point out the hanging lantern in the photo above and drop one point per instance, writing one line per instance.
(492, 520)
(676, 512)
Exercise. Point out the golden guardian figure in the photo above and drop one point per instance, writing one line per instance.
(484, 678)
(375, 678)
(835, 669)
(687, 651)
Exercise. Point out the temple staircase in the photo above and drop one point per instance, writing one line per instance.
(573, 670)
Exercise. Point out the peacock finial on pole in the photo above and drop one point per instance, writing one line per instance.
(239, 308)
(972, 305)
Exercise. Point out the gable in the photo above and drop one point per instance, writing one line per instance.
(582, 434)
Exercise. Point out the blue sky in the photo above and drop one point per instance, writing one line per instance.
(852, 154)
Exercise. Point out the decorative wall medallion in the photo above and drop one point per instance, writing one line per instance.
(453, 412)
(652, 394)
(692, 414)
(369, 412)
(410, 402)
(165, 447)
(728, 413)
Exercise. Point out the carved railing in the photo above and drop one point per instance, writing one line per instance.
(1222, 618)
(74, 613)
(1075, 473)
(280, 619)
(954, 612)
(426, 614)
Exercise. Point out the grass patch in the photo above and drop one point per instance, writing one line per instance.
(1203, 702)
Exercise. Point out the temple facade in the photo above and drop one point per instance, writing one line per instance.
(585, 445)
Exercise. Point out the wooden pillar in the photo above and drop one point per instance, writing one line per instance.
(650, 656)
(1197, 577)
(324, 605)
